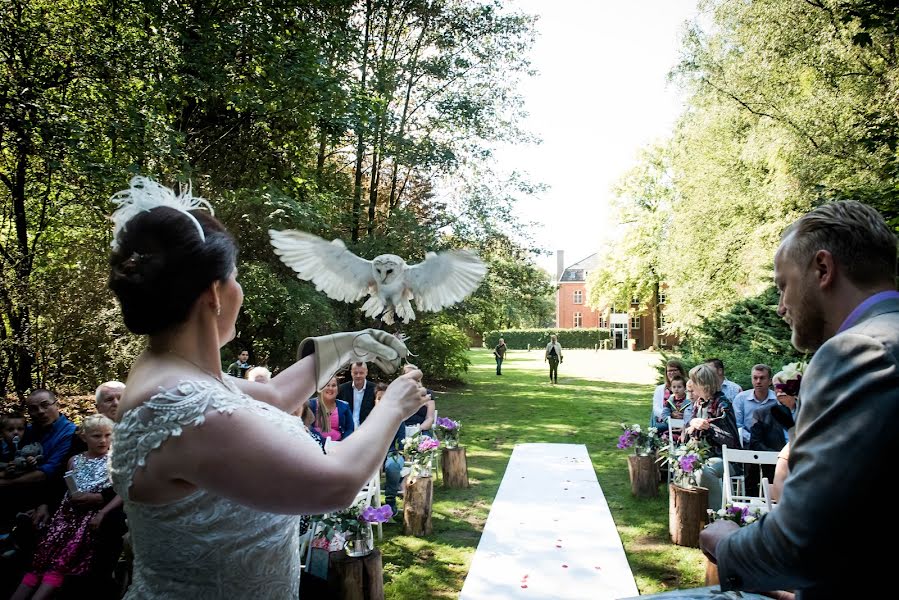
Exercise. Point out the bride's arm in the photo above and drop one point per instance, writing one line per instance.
(242, 457)
(286, 390)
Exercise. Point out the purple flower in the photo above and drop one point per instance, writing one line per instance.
(376, 515)
(447, 423)
(688, 462)
(428, 444)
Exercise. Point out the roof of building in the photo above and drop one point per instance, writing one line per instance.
(579, 270)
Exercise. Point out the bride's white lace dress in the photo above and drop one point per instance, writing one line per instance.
(202, 546)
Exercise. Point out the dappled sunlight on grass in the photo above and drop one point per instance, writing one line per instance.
(521, 407)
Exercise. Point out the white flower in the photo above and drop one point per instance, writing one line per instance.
(749, 519)
(793, 370)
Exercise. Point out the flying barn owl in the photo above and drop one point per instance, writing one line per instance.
(439, 281)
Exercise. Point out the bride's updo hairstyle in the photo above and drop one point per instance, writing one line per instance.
(160, 265)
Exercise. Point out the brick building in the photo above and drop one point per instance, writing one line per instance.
(572, 311)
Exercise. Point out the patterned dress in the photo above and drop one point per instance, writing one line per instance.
(68, 546)
(203, 545)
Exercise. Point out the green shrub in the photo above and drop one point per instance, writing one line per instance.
(441, 350)
(518, 339)
(751, 332)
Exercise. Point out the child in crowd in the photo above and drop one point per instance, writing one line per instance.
(68, 545)
(12, 428)
(677, 401)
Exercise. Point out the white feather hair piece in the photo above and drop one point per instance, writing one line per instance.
(145, 194)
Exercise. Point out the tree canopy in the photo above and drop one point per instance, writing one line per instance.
(338, 117)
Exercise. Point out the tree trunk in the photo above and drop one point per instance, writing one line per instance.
(417, 507)
(657, 316)
(644, 474)
(361, 117)
(455, 468)
(359, 578)
(687, 514)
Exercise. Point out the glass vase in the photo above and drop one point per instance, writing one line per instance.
(450, 442)
(361, 542)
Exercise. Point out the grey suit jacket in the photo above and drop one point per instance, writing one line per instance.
(833, 510)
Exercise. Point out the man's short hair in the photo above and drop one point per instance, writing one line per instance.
(855, 234)
(40, 391)
(360, 363)
(680, 378)
(109, 385)
(715, 362)
(762, 367)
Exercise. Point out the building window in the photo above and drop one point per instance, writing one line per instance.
(663, 297)
(603, 323)
(664, 321)
(635, 300)
(578, 296)
(578, 319)
(635, 322)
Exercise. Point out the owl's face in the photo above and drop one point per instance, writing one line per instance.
(388, 268)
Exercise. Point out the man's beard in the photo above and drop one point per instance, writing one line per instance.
(808, 324)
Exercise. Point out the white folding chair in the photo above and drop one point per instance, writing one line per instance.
(673, 424)
(766, 494)
(733, 486)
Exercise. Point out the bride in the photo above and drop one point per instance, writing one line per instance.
(214, 470)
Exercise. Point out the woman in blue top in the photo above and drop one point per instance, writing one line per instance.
(333, 417)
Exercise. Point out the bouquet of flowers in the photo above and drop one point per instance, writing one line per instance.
(353, 526)
(741, 515)
(792, 374)
(448, 431)
(643, 442)
(419, 451)
(686, 462)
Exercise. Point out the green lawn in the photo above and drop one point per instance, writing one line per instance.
(520, 407)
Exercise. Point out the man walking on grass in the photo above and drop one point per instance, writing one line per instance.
(499, 353)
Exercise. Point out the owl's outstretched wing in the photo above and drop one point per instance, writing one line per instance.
(329, 265)
(443, 279)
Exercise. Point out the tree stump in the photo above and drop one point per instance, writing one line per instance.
(711, 573)
(644, 474)
(360, 578)
(455, 468)
(687, 514)
(417, 507)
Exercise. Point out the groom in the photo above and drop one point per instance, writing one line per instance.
(836, 272)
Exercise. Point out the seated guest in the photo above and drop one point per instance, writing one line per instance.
(107, 398)
(769, 432)
(772, 424)
(748, 402)
(333, 418)
(359, 393)
(393, 462)
(423, 419)
(54, 432)
(663, 391)
(711, 417)
(676, 403)
(12, 430)
(68, 545)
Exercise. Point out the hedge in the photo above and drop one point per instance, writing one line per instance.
(518, 339)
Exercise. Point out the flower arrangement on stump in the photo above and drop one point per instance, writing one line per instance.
(419, 451)
(354, 526)
(687, 461)
(641, 465)
(643, 442)
(741, 515)
(448, 431)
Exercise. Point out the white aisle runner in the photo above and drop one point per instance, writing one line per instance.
(550, 533)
